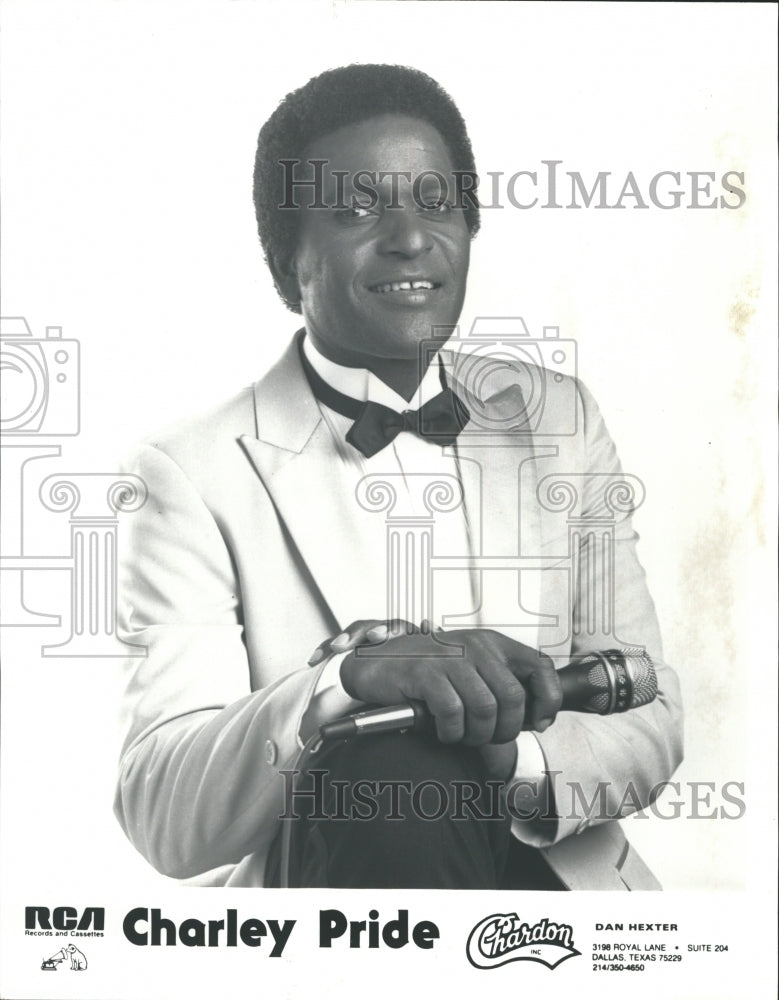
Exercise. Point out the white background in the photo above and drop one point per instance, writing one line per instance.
(128, 134)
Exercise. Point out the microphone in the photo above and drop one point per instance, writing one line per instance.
(601, 683)
(615, 680)
(410, 715)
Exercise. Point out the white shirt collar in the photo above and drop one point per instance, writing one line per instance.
(364, 386)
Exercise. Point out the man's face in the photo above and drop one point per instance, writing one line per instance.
(354, 266)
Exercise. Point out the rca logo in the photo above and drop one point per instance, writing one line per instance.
(64, 918)
(76, 957)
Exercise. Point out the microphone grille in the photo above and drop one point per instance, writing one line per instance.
(643, 677)
(598, 680)
(610, 680)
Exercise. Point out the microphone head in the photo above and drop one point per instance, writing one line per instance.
(615, 680)
(598, 683)
(642, 674)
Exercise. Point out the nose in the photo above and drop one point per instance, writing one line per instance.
(404, 233)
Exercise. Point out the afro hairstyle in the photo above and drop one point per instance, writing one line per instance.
(338, 97)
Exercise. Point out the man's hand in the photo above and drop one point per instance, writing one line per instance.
(480, 686)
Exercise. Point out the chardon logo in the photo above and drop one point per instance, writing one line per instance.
(503, 938)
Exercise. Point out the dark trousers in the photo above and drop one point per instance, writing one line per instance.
(403, 811)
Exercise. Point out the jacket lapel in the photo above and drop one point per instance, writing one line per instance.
(313, 491)
(344, 546)
(499, 467)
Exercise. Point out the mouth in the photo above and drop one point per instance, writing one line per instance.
(405, 285)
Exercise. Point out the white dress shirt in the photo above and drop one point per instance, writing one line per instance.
(453, 592)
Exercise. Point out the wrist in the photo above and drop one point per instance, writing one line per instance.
(500, 760)
(347, 675)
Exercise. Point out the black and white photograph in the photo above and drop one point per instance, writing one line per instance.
(388, 498)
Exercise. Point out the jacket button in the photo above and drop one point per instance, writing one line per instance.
(270, 751)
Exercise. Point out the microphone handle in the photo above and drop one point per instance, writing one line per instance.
(391, 718)
(577, 689)
(600, 683)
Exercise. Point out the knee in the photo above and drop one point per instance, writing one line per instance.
(396, 822)
(405, 756)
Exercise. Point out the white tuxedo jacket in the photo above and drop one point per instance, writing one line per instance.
(252, 549)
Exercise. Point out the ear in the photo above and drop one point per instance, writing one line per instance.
(285, 276)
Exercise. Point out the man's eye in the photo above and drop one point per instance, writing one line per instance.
(438, 207)
(355, 211)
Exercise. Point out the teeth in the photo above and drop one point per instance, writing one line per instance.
(405, 286)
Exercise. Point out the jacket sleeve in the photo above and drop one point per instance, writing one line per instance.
(198, 785)
(606, 767)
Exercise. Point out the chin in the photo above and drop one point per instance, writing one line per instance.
(413, 334)
(404, 347)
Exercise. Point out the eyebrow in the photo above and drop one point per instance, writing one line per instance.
(373, 187)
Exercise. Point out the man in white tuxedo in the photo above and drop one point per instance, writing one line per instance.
(268, 534)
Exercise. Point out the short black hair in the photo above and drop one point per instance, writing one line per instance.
(338, 97)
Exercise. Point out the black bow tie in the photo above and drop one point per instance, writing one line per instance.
(440, 419)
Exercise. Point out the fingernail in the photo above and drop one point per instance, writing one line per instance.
(377, 633)
(316, 657)
(340, 640)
